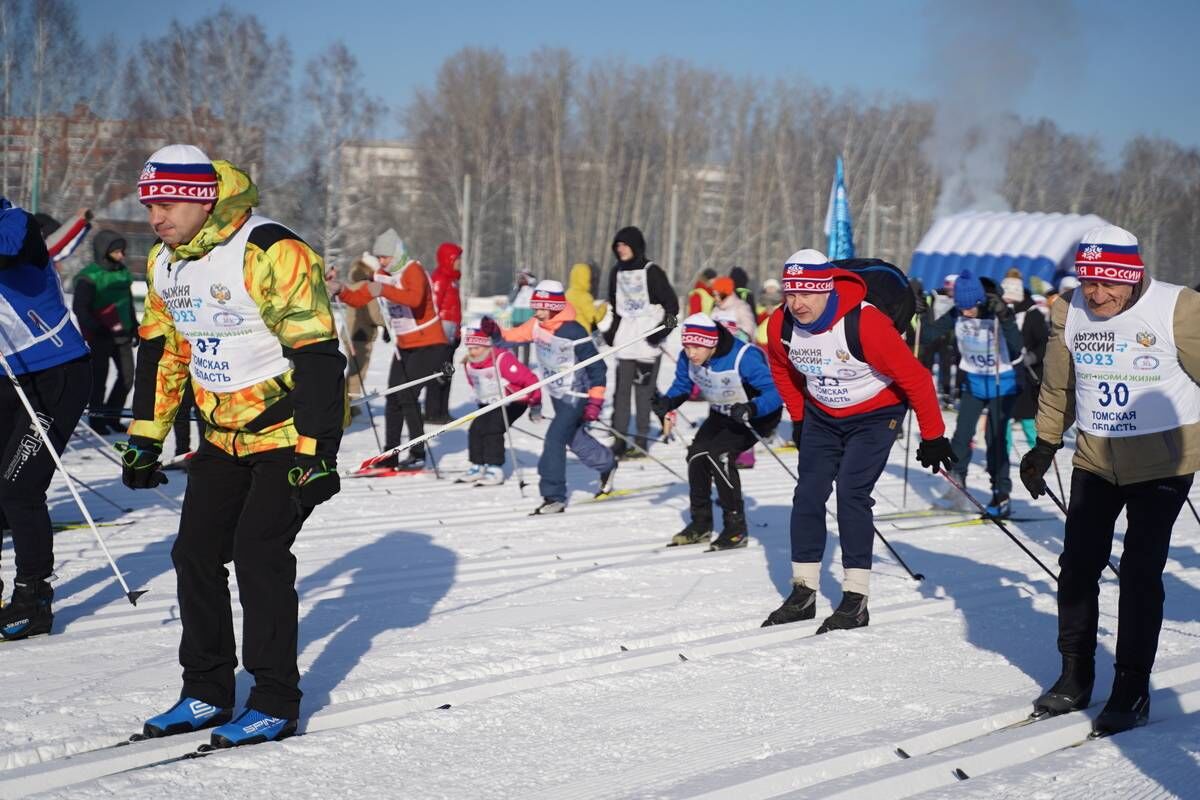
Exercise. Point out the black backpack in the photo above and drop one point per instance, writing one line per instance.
(888, 290)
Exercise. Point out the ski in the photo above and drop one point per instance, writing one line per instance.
(618, 493)
(922, 512)
(80, 524)
(962, 523)
(962, 775)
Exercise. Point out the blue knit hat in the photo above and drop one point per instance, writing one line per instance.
(968, 291)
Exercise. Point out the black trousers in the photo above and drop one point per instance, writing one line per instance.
(239, 509)
(104, 350)
(485, 439)
(1151, 507)
(402, 407)
(58, 395)
(710, 461)
(639, 378)
(437, 394)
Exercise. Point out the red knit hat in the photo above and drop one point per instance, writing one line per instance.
(807, 271)
(178, 173)
(549, 295)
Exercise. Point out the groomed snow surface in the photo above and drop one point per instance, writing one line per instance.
(579, 658)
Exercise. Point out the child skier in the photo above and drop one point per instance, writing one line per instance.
(561, 342)
(733, 377)
(485, 368)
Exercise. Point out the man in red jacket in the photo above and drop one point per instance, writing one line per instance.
(846, 378)
(449, 305)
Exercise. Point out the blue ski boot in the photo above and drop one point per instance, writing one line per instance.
(999, 508)
(188, 715)
(253, 727)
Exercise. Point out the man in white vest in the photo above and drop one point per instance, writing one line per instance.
(1122, 365)
(236, 305)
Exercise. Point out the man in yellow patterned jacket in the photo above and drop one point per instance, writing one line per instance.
(237, 306)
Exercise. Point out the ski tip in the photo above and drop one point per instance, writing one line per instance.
(902, 753)
(919, 576)
(624, 649)
(443, 706)
(133, 596)
(682, 657)
(962, 776)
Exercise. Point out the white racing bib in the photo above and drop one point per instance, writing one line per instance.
(722, 388)
(833, 377)
(232, 347)
(401, 316)
(483, 380)
(1128, 380)
(633, 293)
(557, 354)
(978, 346)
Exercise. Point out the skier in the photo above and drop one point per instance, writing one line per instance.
(1120, 344)
(103, 305)
(420, 340)
(733, 377)
(731, 309)
(236, 304)
(990, 345)
(561, 342)
(1035, 333)
(640, 295)
(846, 403)
(448, 302)
(486, 367)
(52, 366)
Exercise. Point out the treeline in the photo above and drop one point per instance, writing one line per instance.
(561, 153)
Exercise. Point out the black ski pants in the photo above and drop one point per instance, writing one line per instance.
(437, 395)
(719, 441)
(640, 379)
(1151, 508)
(485, 439)
(58, 395)
(104, 350)
(403, 407)
(239, 509)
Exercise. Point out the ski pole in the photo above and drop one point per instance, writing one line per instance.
(512, 448)
(942, 471)
(104, 445)
(623, 437)
(1058, 476)
(337, 304)
(503, 401)
(1193, 508)
(446, 371)
(1063, 509)
(96, 492)
(908, 425)
(132, 596)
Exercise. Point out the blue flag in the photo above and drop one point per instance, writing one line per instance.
(837, 219)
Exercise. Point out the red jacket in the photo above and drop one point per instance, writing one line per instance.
(882, 348)
(445, 283)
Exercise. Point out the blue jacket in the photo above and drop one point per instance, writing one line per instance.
(36, 330)
(753, 370)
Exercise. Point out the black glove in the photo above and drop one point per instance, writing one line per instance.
(535, 413)
(936, 454)
(314, 480)
(488, 327)
(1034, 466)
(660, 404)
(742, 412)
(447, 373)
(387, 336)
(999, 308)
(140, 468)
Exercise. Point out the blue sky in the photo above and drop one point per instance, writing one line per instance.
(1105, 68)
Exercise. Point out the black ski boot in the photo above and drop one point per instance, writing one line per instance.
(1073, 689)
(606, 479)
(1128, 706)
(697, 531)
(733, 535)
(801, 604)
(28, 613)
(850, 613)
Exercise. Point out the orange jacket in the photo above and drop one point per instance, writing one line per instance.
(409, 288)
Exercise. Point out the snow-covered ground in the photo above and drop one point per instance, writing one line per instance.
(452, 646)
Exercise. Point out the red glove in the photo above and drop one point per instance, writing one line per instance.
(591, 412)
